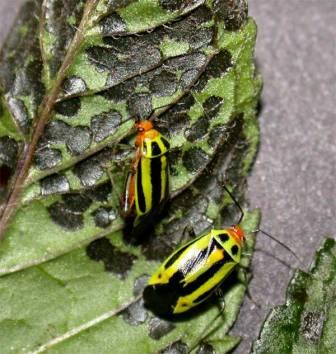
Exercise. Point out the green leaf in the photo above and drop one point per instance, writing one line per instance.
(73, 303)
(306, 323)
(71, 83)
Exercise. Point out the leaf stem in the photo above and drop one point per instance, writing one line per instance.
(43, 116)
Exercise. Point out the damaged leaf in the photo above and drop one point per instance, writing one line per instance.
(73, 74)
(306, 323)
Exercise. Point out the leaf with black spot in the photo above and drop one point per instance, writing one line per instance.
(69, 82)
(306, 323)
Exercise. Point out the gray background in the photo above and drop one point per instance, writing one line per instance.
(293, 178)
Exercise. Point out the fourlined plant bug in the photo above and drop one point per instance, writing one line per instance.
(192, 273)
(147, 184)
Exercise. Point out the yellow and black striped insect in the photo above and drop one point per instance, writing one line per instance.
(194, 271)
(147, 185)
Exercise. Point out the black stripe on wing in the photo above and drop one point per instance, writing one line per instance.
(140, 192)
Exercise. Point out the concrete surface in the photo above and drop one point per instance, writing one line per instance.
(293, 180)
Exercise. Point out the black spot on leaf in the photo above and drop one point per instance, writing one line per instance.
(175, 348)
(177, 121)
(187, 62)
(205, 348)
(140, 105)
(217, 67)
(116, 4)
(175, 5)
(73, 85)
(105, 124)
(312, 325)
(171, 5)
(135, 314)
(47, 158)
(139, 284)
(189, 29)
(299, 294)
(201, 37)
(217, 134)
(177, 117)
(54, 184)
(201, 83)
(32, 85)
(104, 59)
(103, 216)
(212, 106)
(188, 77)
(55, 132)
(119, 92)
(8, 151)
(114, 260)
(119, 58)
(112, 24)
(156, 248)
(5, 174)
(21, 65)
(174, 156)
(186, 102)
(101, 192)
(89, 172)
(163, 84)
(183, 200)
(198, 129)
(19, 113)
(76, 203)
(159, 328)
(78, 140)
(68, 108)
(194, 159)
(201, 15)
(233, 13)
(219, 64)
(57, 23)
(65, 218)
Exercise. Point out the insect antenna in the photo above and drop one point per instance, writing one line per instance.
(164, 123)
(153, 116)
(279, 242)
(236, 204)
(260, 230)
(283, 262)
(128, 119)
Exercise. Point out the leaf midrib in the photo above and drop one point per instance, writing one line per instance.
(40, 122)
